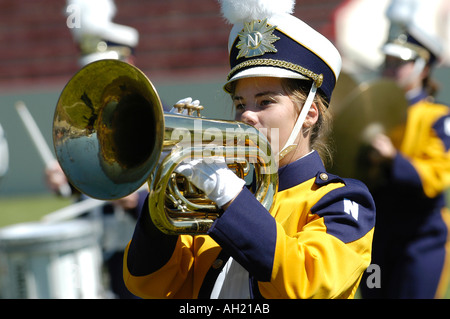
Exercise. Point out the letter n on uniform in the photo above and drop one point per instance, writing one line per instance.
(351, 208)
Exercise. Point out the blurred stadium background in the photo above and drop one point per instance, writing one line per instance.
(182, 49)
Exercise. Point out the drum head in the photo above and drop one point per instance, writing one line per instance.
(35, 237)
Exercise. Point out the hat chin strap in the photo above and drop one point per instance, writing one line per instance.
(289, 146)
(419, 66)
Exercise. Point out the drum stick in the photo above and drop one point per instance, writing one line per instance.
(39, 141)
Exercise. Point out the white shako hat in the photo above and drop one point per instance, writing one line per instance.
(411, 36)
(97, 36)
(267, 40)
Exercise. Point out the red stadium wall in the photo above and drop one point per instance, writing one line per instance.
(178, 38)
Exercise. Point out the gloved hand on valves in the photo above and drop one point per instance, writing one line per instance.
(214, 178)
(185, 101)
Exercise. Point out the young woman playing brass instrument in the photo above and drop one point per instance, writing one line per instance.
(315, 242)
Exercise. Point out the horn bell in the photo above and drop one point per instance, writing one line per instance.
(102, 124)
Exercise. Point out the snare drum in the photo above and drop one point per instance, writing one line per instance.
(57, 260)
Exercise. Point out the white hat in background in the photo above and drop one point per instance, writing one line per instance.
(413, 36)
(97, 36)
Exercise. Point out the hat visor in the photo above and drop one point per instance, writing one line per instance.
(263, 71)
(399, 51)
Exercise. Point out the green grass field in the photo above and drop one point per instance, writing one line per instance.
(15, 210)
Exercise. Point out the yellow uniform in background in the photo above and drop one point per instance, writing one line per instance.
(412, 219)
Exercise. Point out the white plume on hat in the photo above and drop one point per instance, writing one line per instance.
(238, 11)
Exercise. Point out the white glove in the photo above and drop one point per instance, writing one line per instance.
(214, 178)
(187, 100)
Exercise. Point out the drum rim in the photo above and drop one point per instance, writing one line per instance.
(80, 232)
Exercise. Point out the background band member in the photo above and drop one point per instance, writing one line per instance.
(98, 38)
(411, 229)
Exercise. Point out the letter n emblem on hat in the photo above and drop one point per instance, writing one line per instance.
(256, 39)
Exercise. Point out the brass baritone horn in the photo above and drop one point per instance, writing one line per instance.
(111, 136)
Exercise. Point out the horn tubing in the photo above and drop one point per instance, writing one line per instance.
(100, 120)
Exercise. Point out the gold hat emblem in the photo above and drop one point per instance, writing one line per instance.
(256, 39)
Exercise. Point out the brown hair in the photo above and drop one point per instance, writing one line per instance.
(320, 132)
(431, 86)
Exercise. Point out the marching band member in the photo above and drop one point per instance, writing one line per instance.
(316, 240)
(96, 35)
(98, 38)
(411, 229)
